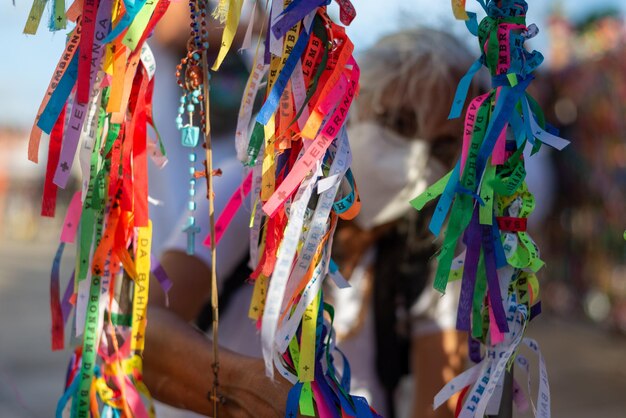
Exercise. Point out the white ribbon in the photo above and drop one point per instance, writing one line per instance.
(147, 59)
(299, 94)
(319, 223)
(286, 254)
(88, 133)
(242, 133)
(276, 46)
(543, 397)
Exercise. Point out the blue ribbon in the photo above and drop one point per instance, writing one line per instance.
(507, 8)
(499, 250)
(132, 9)
(519, 131)
(504, 108)
(273, 99)
(66, 396)
(362, 408)
(462, 190)
(346, 375)
(346, 203)
(59, 97)
(472, 23)
(445, 201)
(462, 89)
(293, 401)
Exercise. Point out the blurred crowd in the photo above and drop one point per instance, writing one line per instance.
(584, 95)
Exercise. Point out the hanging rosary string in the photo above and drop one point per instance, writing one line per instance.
(196, 86)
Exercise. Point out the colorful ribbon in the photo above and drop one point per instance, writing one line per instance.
(488, 205)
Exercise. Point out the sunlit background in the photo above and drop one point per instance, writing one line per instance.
(582, 87)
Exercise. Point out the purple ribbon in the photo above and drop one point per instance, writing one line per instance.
(535, 310)
(495, 297)
(160, 274)
(66, 306)
(295, 12)
(293, 400)
(474, 349)
(472, 241)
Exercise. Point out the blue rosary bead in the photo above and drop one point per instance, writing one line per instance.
(190, 135)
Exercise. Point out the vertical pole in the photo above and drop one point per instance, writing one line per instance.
(210, 195)
(506, 404)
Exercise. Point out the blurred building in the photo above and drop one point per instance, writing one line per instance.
(21, 187)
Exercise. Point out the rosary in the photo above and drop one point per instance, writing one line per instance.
(193, 77)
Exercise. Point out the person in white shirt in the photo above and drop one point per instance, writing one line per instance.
(391, 322)
(401, 141)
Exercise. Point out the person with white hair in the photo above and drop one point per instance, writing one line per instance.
(401, 141)
(391, 322)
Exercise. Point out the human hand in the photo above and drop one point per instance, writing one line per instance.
(248, 392)
(178, 371)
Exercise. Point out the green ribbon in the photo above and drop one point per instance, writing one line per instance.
(461, 212)
(480, 289)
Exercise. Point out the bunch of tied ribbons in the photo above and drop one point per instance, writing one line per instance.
(99, 104)
(489, 203)
(300, 184)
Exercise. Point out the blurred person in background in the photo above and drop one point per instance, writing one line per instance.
(391, 322)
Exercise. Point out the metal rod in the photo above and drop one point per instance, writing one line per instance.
(506, 404)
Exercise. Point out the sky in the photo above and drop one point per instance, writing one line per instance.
(28, 61)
